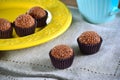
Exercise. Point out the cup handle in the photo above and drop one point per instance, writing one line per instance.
(114, 11)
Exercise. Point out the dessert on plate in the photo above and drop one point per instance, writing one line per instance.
(24, 25)
(5, 29)
(39, 14)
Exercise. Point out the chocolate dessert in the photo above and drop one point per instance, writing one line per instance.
(24, 25)
(89, 42)
(61, 56)
(39, 14)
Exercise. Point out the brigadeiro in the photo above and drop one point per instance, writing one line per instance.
(61, 56)
(5, 29)
(89, 42)
(24, 25)
(39, 14)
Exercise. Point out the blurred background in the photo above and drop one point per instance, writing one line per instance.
(72, 2)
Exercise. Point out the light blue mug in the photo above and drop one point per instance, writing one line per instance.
(98, 11)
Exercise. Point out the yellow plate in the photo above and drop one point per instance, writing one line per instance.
(61, 20)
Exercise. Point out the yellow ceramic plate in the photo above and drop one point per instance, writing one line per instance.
(61, 20)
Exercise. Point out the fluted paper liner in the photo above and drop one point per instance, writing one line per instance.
(25, 31)
(61, 63)
(6, 34)
(41, 22)
(89, 49)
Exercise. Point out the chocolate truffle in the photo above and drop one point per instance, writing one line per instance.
(24, 25)
(39, 14)
(5, 28)
(89, 42)
(61, 56)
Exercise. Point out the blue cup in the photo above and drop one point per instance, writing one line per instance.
(98, 11)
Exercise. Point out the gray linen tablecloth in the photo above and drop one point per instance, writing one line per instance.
(34, 63)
